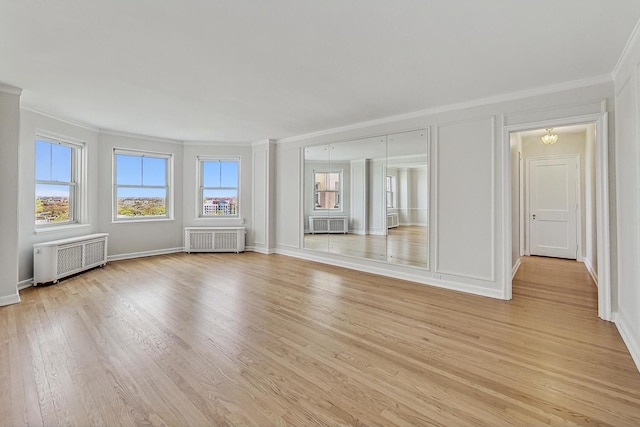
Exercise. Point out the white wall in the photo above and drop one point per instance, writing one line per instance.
(9, 183)
(263, 188)
(468, 165)
(515, 148)
(138, 238)
(627, 156)
(590, 253)
(31, 124)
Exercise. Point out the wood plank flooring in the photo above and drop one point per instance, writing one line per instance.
(406, 245)
(250, 339)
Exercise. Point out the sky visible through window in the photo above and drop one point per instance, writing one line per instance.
(53, 163)
(141, 171)
(221, 175)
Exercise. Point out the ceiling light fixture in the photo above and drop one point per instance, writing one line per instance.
(549, 138)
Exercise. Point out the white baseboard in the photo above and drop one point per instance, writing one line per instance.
(25, 284)
(144, 254)
(515, 268)
(10, 299)
(631, 340)
(396, 274)
(260, 250)
(591, 271)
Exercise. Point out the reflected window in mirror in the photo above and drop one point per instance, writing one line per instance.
(391, 192)
(327, 189)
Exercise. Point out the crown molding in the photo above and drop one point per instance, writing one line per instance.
(61, 119)
(511, 96)
(631, 42)
(11, 90)
(263, 142)
(217, 143)
(138, 136)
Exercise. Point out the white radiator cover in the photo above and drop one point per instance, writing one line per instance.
(392, 220)
(60, 258)
(328, 224)
(214, 239)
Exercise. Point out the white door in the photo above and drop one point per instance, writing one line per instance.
(553, 209)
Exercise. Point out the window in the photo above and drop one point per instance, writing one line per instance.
(141, 182)
(327, 190)
(391, 192)
(218, 196)
(57, 166)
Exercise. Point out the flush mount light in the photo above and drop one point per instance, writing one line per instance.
(549, 138)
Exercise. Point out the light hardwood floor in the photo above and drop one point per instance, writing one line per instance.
(250, 339)
(406, 245)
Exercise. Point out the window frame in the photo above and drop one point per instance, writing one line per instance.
(200, 188)
(168, 185)
(391, 181)
(77, 196)
(339, 192)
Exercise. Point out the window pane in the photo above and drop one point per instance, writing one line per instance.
(321, 181)
(52, 203)
(140, 202)
(211, 174)
(154, 171)
(229, 174)
(43, 161)
(60, 163)
(334, 181)
(128, 170)
(219, 202)
(327, 200)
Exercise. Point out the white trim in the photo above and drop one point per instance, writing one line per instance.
(143, 254)
(24, 284)
(66, 120)
(510, 96)
(11, 90)
(60, 228)
(626, 332)
(631, 42)
(515, 268)
(217, 143)
(591, 271)
(10, 299)
(264, 251)
(199, 187)
(602, 201)
(139, 136)
(417, 278)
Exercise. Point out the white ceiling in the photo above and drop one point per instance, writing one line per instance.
(244, 70)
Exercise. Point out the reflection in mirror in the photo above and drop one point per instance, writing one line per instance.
(367, 198)
(407, 198)
(317, 197)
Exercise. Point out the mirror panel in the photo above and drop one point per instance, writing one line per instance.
(368, 198)
(316, 166)
(407, 198)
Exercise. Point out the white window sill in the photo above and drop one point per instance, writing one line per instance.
(129, 221)
(60, 228)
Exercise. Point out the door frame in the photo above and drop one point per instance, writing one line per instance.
(602, 201)
(577, 212)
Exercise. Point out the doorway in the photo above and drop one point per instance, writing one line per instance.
(591, 199)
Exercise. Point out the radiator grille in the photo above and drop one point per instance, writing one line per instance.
(94, 253)
(336, 225)
(226, 241)
(320, 225)
(69, 259)
(202, 241)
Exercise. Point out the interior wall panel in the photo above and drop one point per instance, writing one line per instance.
(465, 199)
